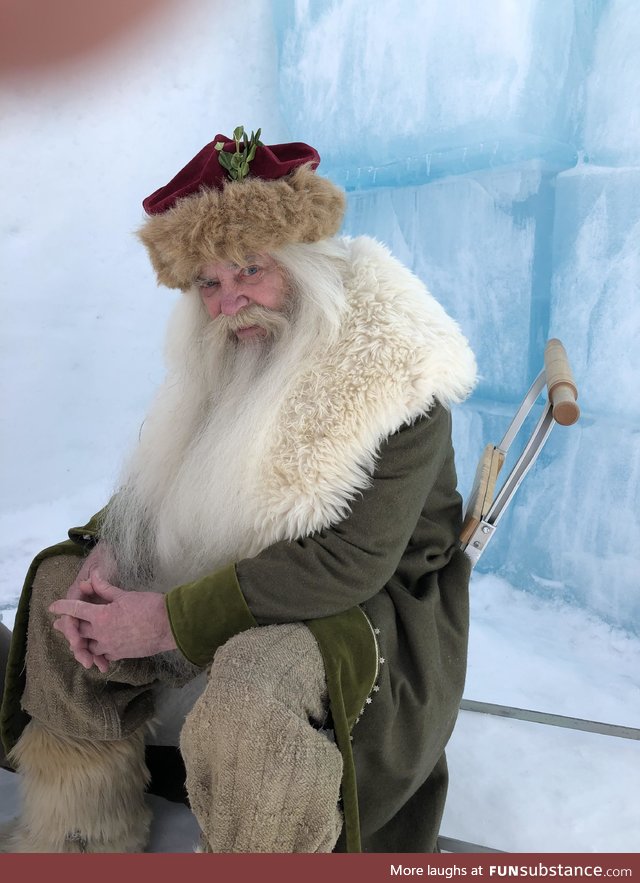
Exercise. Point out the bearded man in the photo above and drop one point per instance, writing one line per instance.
(280, 561)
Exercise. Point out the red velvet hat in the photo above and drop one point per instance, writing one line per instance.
(205, 170)
(238, 197)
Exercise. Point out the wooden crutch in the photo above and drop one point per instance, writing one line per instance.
(485, 508)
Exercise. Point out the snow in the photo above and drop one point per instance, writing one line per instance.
(509, 138)
(526, 787)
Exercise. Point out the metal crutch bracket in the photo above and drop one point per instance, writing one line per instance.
(484, 511)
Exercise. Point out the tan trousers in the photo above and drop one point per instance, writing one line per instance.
(262, 774)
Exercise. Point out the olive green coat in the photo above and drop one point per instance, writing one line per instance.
(396, 557)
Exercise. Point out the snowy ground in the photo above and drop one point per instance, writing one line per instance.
(516, 786)
(526, 787)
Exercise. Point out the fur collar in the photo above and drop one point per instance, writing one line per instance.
(397, 353)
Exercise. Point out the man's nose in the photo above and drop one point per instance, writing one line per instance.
(232, 301)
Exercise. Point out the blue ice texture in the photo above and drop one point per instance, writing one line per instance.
(495, 147)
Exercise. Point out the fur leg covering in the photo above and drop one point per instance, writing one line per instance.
(262, 776)
(79, 796)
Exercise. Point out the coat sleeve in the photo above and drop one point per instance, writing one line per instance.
(338, 568)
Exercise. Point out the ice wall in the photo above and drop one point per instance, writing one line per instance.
(495, 146)
(377, 83)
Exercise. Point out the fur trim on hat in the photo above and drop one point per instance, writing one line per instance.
(245, 217)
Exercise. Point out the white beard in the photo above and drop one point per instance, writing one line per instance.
(186, 503)
(237, 454)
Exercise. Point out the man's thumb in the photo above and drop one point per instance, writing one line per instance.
(104, 589)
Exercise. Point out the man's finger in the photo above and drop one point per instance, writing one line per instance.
(104, 589)
(101, 663)
(87, 659)
(79, 609)
(85, 629)
(75, 641)
(77, 592)
(62, 627)
(84, 657)
(96, 648)
(68, 627)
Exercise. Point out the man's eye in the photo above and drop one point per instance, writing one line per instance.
(250, 271)
(207, 283)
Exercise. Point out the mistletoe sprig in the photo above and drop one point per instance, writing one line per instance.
(237, 164)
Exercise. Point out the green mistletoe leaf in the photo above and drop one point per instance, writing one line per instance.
(237, 164)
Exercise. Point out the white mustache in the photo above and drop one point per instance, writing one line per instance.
(273, 321)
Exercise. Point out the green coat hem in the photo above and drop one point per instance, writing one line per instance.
(13, 719)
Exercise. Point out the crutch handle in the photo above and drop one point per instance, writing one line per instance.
(561, 385)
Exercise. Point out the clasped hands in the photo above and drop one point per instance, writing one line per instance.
(103, 623)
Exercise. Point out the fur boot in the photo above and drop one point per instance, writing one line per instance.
(79, 796)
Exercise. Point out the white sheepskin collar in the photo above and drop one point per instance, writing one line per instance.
(398, 352)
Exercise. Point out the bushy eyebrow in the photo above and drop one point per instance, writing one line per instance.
(248, 261)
